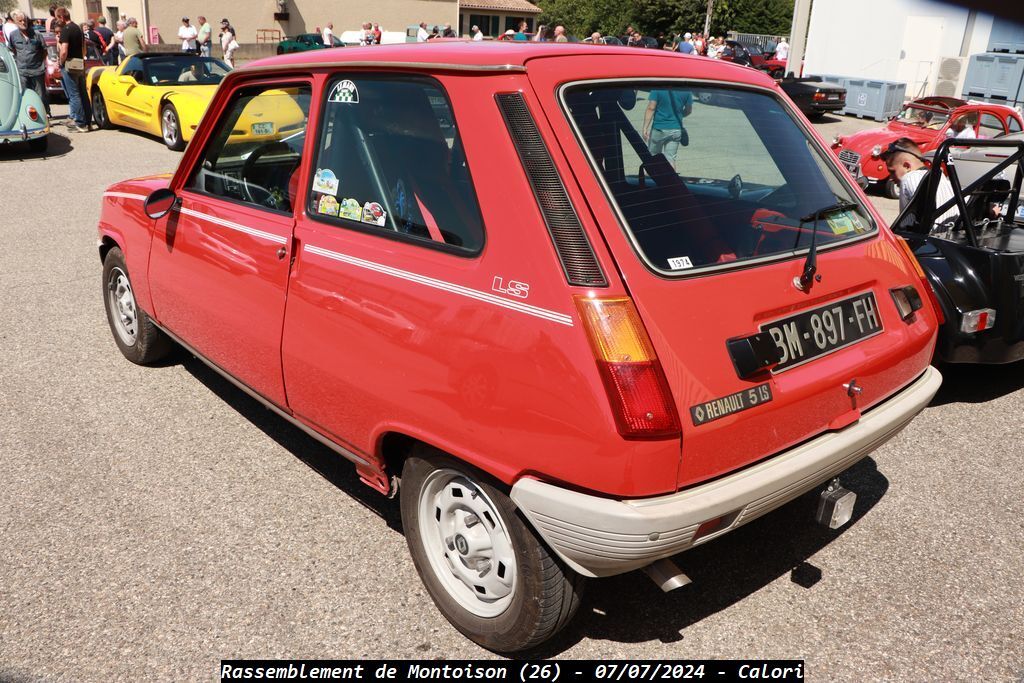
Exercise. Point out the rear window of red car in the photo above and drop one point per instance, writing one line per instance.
(707, 176)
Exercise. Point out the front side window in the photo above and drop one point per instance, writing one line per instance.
(705, 176)
(390, 160)
(253, 156)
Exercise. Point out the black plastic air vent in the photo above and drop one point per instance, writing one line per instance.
(571, 243)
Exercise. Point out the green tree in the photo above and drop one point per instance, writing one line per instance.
(7, 5)
(45, 4)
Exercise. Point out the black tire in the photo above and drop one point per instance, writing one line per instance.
(148, 344)
(545, 593)
(170, 128)
(891, 188)
(39, 144)
(99, 110)
(280, 50)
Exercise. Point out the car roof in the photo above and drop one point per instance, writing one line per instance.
(496, 55)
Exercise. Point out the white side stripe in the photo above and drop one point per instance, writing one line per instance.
(553, 316)
(125, 195)
(270, 237)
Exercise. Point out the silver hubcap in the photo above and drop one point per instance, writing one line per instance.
(467, 543)
(121, 302)
(170, 126)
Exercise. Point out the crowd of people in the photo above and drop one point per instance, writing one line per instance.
(92, 40)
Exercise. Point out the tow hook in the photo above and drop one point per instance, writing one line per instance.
(835, 506)
(667, 575)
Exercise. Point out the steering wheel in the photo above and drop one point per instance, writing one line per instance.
(267, 197)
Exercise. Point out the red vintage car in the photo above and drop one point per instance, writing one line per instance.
(53, 84)
(571, 341)
(927, 121)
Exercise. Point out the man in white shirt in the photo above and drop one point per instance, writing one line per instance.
(328, 34)
(782, 50)
(962, 128)
(477, 33)
(421, 33)
(187, 34)
(903, 158)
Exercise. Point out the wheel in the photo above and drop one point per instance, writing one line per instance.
(135, 334)
(39, 144)
(484, 568)
(280, 50)
(891, 189)
(99, 110)
(815, 115)
(170, 128)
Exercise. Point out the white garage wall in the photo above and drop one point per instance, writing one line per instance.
(892, 40)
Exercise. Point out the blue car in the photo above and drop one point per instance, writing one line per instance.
(22, 113)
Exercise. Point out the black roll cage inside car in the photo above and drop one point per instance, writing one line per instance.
(919, 216)
(975, 263)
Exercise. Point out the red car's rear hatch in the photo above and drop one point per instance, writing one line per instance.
(710, 236)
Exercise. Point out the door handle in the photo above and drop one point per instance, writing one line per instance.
(281, 253)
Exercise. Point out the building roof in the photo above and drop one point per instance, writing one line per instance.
(521, 6)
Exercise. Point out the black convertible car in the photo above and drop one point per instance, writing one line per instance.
(975, 263)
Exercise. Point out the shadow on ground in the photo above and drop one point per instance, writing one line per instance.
(969, 383)
(58, 145)
(627, 608)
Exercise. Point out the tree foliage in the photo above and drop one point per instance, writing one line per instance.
(45, 4)
(6, 6)
(583, 17)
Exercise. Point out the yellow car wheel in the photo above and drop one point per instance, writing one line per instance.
(99, 109)
(170, 128)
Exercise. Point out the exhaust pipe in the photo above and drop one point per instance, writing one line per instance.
(666, 575)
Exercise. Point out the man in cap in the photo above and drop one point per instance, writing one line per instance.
(187, 35)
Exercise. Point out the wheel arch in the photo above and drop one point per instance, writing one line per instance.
(107, 243)
(394, 446)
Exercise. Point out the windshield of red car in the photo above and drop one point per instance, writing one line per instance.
(184, 70)
(707, 176)
(922, 117)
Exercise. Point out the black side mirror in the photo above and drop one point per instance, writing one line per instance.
(159, 203)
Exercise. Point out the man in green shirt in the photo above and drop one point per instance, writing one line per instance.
(205, 32)
(133, 40)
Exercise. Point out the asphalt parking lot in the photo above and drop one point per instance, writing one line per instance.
(156, 520)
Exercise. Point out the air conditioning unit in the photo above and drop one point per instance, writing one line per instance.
(949, 76)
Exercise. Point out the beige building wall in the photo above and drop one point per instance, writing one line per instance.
(248, 16)
(111, 9)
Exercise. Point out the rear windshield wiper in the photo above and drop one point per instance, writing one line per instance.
(806, 279)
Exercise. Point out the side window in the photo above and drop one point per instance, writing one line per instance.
(390, 159)
(991, 126)
(1014, 124)
(133, 68)
(253, 155)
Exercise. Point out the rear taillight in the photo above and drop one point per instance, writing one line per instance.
(820, 97)
(977, 321)
(632, 375)
(924, 279)
(33, 113)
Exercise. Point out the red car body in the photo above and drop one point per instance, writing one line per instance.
(860, 152)
(53, 76)
(376, 344)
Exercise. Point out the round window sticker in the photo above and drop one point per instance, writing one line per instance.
(344, 92)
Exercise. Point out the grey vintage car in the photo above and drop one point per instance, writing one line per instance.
(22, 113)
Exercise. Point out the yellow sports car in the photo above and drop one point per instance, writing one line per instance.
(166, 94)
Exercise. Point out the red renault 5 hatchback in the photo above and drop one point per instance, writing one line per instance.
(582, 307)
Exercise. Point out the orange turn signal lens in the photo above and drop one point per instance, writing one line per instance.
(615, 330)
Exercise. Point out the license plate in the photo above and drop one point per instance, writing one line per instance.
(833, 96)
(854, 169)
(818, 332)
(264, 128)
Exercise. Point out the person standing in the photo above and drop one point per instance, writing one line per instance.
(106, 38)
(663, 121)
(132, 39)
(377, 34)
(521, 33)
(421, 33)
(30, 55)
(9, 28)
(477, 33)
(228, 42)
(782, 50)
(685, 46)
(205, 37)
(51, 20)
(905, 162)
(187, 35)
(328, 35)
(448, 32)
(72, 71)
(560, 36)
(115, 50)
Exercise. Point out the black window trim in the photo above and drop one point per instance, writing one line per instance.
(358, 226)
(716, 268)
(185, 183)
